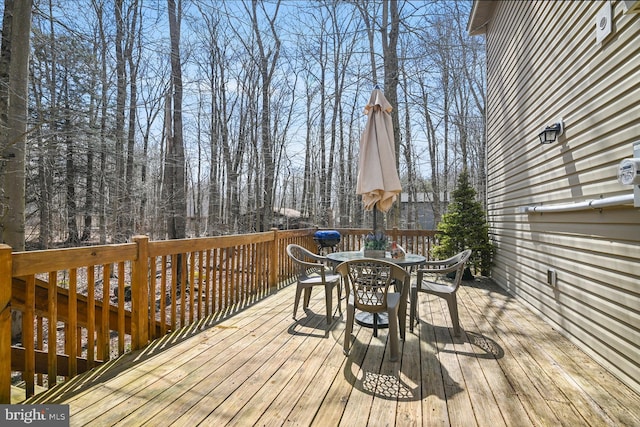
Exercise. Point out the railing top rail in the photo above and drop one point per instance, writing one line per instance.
(168, 247)
(34, 262)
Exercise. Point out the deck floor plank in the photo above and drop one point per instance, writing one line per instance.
(567, 401)
(516, 362)
(583, 380)
(302, 394)
(479, 332)
(456, 391)
(363, 377)
(261, 367)
(434, 401)
(178, 385)
(311, 398)
(334, 403)
(409, 411)
(387, 388)
(225, 379)
(571, 404)
(134, 379)
(249, 401)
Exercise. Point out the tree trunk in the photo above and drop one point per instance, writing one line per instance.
(391, 20)
(12, 221)
(266, 64)
(73, 237)
(121, 93)
(133, 62)
(102, 199)
(175, 156)
(14, 75)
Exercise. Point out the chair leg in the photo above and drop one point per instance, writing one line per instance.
(328, 294)
(402, 319)
(413, 310)
(393, 335)
(375, 324)
(348, 328)
(452, 302)
(296, 302)
(307, 297)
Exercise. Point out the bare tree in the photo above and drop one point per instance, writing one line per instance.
(73, 237)
(411, 179)
(14, 72)
(132, 56)
(266, 123)
(175, 160)
(121, 87)
(44, 72)
(266, 62)
(102, 106)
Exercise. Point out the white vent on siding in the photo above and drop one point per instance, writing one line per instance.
(632, 6)
(603, 22)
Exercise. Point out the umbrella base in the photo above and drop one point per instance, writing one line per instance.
(366, 319)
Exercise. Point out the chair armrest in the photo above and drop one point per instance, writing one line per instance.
(455, 263)
(316, 257)
(318, 267)
(444, 270)
(308, 264)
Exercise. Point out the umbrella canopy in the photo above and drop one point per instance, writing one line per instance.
(378, 180)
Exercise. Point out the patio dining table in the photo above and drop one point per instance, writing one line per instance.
(408, 261)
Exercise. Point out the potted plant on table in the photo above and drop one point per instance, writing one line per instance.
(375, 244)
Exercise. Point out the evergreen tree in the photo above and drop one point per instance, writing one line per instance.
(464, 226)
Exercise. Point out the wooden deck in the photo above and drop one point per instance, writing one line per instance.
(260, 367)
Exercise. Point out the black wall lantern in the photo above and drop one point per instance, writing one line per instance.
(550, 133)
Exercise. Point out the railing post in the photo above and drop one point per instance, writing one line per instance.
(274, 261)
(140, 294)
(6, 278)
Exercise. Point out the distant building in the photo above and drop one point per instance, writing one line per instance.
(287, 219)
(423, 205)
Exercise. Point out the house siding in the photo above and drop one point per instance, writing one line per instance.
(543, 63)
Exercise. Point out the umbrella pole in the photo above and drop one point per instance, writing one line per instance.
(375, 218)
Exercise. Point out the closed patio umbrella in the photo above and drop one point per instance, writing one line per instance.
(378, 180)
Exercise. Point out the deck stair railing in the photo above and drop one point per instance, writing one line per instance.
(81, 307)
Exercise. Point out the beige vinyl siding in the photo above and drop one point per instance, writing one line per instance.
(543, 63)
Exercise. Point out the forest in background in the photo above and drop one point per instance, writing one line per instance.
(180, 119)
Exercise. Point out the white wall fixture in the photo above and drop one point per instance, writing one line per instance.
(629, 173)
(636, 188)
(603, 22)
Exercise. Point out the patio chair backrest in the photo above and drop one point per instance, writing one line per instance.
(368, 281)
(305, 262)
(456, 264)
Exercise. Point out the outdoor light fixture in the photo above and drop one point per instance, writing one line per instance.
(550, 133)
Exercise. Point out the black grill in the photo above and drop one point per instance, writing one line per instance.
(326, 239)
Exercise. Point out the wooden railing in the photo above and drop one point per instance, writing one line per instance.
(81, 307)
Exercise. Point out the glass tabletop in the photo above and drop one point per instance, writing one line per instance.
(407, 261)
